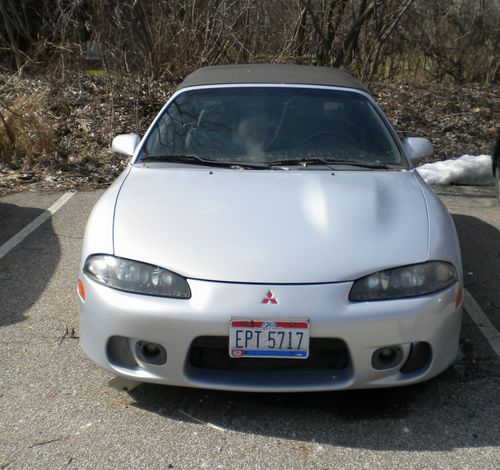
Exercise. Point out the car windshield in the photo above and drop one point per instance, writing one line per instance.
(272, 124)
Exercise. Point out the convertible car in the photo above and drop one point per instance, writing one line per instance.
(271, 234)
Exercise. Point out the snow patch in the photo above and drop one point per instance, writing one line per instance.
(466, 170)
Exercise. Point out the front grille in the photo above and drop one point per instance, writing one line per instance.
(212, 352)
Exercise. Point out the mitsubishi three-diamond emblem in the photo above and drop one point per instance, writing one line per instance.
(269, 298)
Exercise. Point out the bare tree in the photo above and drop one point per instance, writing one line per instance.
(455, 40)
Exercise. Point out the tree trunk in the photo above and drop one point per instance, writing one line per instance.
(13, 43)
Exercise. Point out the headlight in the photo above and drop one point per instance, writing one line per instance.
(407, 281)
(133, 276)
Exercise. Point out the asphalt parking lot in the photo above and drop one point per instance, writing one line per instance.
(58, 410)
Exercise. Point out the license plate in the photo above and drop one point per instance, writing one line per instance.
(288, 339)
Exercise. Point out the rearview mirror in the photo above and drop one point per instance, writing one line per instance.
(125, 144)
(417, 148)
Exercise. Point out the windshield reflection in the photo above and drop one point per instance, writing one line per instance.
(264, 124)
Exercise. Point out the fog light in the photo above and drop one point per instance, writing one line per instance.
(387, 354)
(150, 350)
(150, 353)
(387, 357)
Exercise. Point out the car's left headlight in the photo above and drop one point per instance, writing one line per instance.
(134, 276)
(406, 281)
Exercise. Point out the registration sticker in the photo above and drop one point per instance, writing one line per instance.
(288, 339)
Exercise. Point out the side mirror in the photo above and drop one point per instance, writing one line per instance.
(417, 148)
(125, 144)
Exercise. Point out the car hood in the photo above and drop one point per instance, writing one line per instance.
(270, 226)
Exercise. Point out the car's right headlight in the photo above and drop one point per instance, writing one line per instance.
(405, 281)
(134, 276)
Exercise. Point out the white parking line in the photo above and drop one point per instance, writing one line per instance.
(482, 321)
(32, 226)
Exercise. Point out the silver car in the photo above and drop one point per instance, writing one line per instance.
(270, 234)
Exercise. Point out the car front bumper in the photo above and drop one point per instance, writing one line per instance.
(364, 327)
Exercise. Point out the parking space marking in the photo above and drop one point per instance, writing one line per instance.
(32, 226)
(482, 321)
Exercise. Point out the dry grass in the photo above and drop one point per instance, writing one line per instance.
(63, 128)
(25, 130)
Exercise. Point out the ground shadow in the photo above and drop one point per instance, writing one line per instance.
(443, 414)
(26, 270)
(480, 245)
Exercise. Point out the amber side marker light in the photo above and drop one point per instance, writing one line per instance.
(81, 290)
(459, 296)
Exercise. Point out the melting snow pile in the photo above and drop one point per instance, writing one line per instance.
(466, 170)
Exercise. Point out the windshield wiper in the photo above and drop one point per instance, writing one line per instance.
(305, 162)
(194, 159)
(375, 165)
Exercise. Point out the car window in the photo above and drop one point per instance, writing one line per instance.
(265, 124)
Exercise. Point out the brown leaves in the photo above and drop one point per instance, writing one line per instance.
(66, 127)
(69, 125)
(459, 119)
